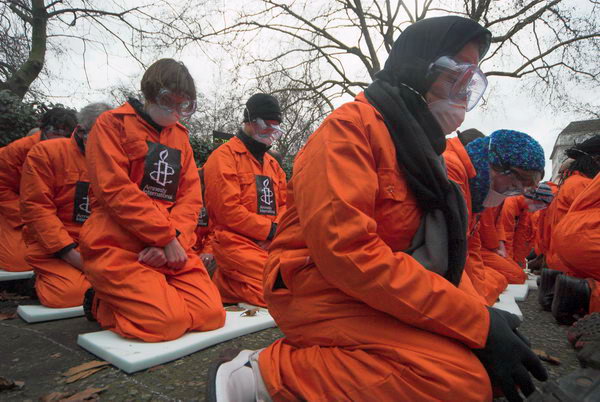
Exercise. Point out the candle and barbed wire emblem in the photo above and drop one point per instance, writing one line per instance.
(267, 204)
(81, 204)
(161, 172)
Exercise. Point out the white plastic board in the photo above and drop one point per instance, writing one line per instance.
(13, 276)
(508, 303)
(519, 292)
(532, 283)
(134, 355)
(41, 313)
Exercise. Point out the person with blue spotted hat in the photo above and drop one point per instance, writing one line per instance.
(507, 163)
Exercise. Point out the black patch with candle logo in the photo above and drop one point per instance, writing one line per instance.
(161, 173)
(265, 196)
(203, 217)
(81, 203)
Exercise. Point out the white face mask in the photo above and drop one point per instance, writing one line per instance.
(448, 114)
(160, 116)
(493, 199)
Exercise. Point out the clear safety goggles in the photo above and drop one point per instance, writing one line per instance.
(267, 129)
(462, 83)
(171, 102)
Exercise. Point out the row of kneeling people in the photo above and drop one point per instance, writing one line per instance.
(388, 239)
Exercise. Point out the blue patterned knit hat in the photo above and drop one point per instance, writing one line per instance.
(512, 149)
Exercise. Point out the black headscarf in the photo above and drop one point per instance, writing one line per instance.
(398, 94)
(586, 157)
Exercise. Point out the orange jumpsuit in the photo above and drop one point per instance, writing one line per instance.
(517, 225)
(576, 240)
(145, 191)
(568, 191)
(541, 225)
(54, 205)
(487, 281)
(12, 246)
(491, 232)
(243, 198)
(363, 320)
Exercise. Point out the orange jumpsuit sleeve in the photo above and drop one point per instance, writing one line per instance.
(108, 170)
(9, 186)
(184, 214)
(338, 225)
(223, 194)
(38, 209)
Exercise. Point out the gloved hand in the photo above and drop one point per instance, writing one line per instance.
(507, 358)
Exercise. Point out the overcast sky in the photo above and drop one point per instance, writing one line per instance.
(508, 106)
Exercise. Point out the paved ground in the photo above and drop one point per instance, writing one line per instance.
(39, 353)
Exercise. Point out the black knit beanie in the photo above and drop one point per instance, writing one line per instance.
(264, 106)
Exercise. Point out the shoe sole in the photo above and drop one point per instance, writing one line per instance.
(215, 376)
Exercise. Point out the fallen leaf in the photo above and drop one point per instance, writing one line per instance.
(85, 367)
(151, 369)
(5, 383)
(54, 396)
(234, 308)
(250, 313)
(56, 355)
(546, 357)
(90, 394)
(83, 374)
(8, 316)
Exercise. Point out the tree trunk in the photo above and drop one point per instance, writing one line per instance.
(21, 80)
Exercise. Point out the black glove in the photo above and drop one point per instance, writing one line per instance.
(507, 358)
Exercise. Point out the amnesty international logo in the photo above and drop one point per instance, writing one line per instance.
(265, 196)
(161, 172)
(81, 202)
(163, 169)
(267, 193)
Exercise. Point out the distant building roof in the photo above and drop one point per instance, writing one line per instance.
(577, 128)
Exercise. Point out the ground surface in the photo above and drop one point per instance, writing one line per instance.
(38, 354)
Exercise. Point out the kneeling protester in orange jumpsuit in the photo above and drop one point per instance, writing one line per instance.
(245, 195)
(575, 178)
(487, 282)
(576, 241)
(516, 221)
(137, 243)
(363, 276)
(493, 247)
(55, 123)
(54, 205)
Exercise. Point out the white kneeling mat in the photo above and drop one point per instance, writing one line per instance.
(43, 313)
(134, 355)
(532, 283)
(13, 276)
(508, 303)
(519, 292)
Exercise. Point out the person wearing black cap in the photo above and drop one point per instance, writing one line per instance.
(365, 277)
(245, 195)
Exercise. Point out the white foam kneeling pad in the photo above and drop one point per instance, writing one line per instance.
(519, 292)
(134, 355)
(508, 303)
(532, 283)
(13, 276)
(43, 313)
